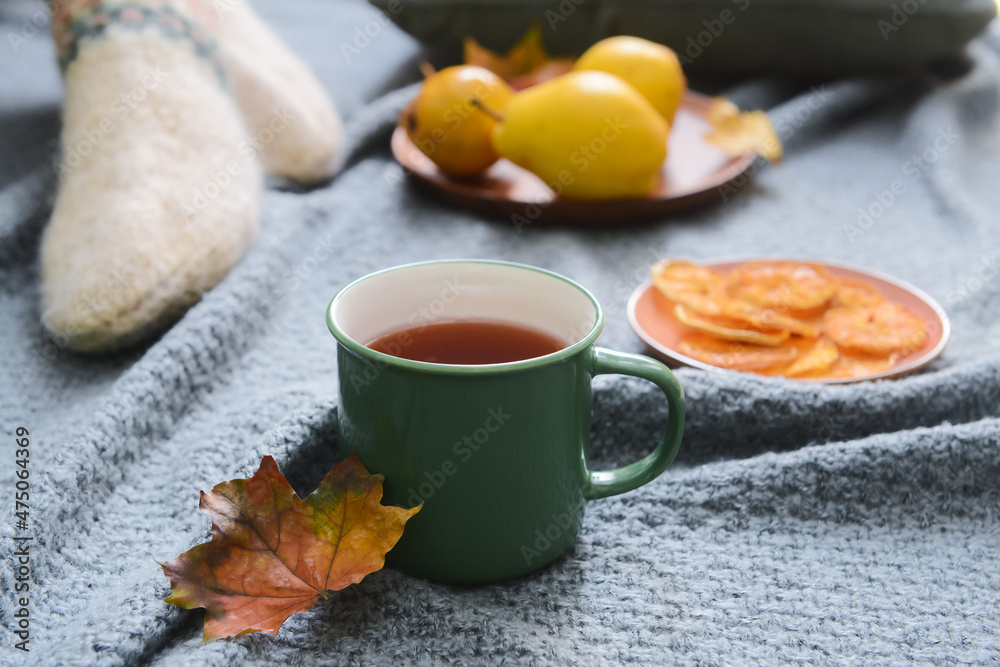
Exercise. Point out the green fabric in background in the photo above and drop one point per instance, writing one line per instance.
(827, 37)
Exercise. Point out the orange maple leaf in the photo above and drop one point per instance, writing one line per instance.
(273, 554)
(738, 132)
(525, 64)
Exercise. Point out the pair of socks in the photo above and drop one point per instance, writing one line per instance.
(172, 110)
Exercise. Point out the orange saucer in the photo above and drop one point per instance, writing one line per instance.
(651, 317)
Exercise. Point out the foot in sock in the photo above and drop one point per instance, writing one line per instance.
(159, 187)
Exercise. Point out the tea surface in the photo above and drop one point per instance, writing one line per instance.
(467, 342)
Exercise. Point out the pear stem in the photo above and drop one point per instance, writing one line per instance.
(427, 69)
(486, 109)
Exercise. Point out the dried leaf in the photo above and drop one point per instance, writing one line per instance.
(273, 554)
(525, 64)
(738, 132)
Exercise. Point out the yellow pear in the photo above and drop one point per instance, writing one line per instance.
(446, 126)
(653, 69)
(589, 135)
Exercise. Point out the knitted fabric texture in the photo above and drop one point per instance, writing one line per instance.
(800, 523)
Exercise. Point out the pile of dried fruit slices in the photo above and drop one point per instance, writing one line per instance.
(792, 319)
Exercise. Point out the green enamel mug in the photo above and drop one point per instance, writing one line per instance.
(498, 453)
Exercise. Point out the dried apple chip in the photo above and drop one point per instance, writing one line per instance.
(782, 286)
(854, 293)
(817, 359)
(853, 365)
(729, 329)
(766, 318)
(686, 283)
(734, 356)
(879, 330)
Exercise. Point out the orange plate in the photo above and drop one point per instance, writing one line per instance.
(653, 320)
(692, 174)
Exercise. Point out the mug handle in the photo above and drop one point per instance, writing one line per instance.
(604, 483)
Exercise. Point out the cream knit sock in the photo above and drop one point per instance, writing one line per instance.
(159, 180)
(286, 108)
(155, 202)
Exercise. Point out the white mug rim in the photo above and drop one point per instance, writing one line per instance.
(382, 359)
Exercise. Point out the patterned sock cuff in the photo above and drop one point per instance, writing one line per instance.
(183, 21)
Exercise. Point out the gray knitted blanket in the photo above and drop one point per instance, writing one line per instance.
(800, 523)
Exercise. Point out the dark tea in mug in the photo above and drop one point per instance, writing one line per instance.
(467, 342)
